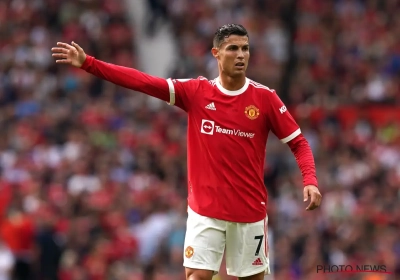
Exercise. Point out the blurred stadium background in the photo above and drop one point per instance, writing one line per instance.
(93, 176)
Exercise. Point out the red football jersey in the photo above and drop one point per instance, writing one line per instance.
(227, 136)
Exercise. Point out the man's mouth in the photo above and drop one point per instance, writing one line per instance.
(239, 64)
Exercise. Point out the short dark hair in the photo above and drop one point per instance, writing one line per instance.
(226, 30)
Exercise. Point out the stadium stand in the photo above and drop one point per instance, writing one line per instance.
(93, 179)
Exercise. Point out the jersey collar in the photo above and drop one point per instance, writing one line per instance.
(232, 92)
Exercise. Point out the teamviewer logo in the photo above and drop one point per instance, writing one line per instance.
(207, 127)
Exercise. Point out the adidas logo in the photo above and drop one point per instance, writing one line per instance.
(257, 262)
(211, 106)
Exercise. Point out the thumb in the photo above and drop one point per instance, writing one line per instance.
(305, 194)
(77, 46)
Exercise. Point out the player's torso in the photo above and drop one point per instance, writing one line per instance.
(226, 138)
(221, 118)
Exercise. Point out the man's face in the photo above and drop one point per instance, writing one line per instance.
(233, 55)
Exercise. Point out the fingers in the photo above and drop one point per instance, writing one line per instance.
(311, 206)
(65, 45)
(315, 201)
(59, 55)
(64, 61)
(305, 194)
(77, 46)
(59, 50)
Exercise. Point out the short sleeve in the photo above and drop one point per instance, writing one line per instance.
(281, 122)
(181, 92)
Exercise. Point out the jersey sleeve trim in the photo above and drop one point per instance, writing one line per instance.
(291, 136)
(171, 92)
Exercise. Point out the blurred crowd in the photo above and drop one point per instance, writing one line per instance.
(93, 179)
(347, 52)
(268, 23)
(92, 183)
(316, 52)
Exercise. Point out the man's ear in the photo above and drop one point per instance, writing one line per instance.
(215, 52)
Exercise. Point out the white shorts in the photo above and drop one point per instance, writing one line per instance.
(245, 245)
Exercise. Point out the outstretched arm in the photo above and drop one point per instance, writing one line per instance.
(123, 76)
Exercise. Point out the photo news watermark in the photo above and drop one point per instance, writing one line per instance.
(347, 268)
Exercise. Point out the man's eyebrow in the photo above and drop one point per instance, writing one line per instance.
(234, 45)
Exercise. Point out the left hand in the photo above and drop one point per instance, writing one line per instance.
(316, 197)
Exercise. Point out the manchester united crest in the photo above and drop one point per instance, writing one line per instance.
(252, 112)
(189, 252)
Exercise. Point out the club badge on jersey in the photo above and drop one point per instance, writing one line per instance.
(252, 112)
(189, 252)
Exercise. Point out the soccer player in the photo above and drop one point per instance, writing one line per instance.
(229, 119)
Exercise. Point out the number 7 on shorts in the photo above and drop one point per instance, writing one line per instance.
(260, 237)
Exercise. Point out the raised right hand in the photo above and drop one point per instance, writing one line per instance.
(69, 54)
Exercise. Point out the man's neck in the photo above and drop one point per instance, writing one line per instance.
(230, 83)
